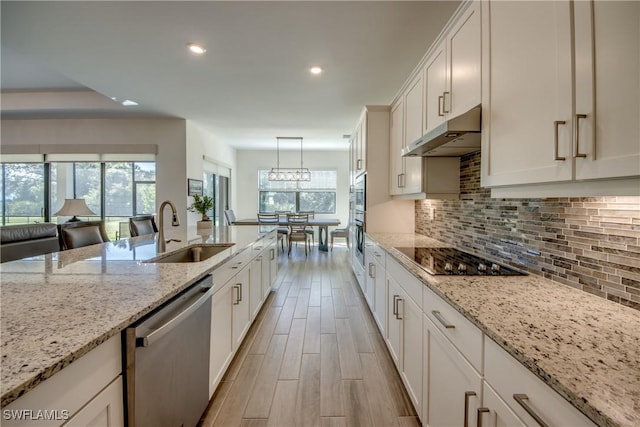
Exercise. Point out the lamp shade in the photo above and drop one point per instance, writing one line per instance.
(74, 207)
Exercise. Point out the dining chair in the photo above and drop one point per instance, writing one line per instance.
(230, 216)
(78, 234)
(274, 219)
(142, 224)
(310, 230)
(298, 230)
(340, 232)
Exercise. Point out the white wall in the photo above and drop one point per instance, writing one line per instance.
(168, 134)
(250, 161)
(201, 142)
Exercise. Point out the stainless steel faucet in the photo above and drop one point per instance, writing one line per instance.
(162, 244)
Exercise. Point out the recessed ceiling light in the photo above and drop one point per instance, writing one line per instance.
(196, 49)
(129, 103)
(315, 70)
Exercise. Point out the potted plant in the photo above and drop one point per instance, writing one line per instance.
(202, 205)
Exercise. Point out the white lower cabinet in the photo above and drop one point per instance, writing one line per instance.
(221, 351)
(527, 396)
(454, 374)
(236, 303)
(404, 339)
(379, 308)
(87, 393)
(495, 412)
(255, 284)
(104, 410)
(240, 306)
(452, 386)
(269, 269)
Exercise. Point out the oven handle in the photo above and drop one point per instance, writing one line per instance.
(158, 333)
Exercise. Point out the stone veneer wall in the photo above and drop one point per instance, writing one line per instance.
(590, 243)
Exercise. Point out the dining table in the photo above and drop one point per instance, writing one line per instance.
(323, 225)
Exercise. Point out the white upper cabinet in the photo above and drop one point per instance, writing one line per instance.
(396, 143)
(452, 71)
(536, 128)
(411, 177)
(464, 61)
(435, 77)
(607, 43)
(527, 107)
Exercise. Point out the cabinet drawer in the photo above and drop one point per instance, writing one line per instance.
(509, 378)
(71, 388)
(226, 271)
(379, 255)
(411, 285)
(464, 335)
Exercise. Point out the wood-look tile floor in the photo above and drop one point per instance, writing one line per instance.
(313, 357)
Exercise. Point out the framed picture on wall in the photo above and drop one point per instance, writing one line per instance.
(194, 186)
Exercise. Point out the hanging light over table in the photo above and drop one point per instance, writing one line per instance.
(289, 174)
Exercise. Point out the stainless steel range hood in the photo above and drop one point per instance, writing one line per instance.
(455, 137)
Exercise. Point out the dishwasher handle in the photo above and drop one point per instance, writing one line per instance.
(147, 340)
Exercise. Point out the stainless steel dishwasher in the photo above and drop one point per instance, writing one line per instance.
(167, 361)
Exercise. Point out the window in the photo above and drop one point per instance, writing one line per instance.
(115, 191)
(22, 187)
(317, 195)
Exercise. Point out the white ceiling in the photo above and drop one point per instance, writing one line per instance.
(253, 82)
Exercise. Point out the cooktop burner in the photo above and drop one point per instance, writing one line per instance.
(440, 261)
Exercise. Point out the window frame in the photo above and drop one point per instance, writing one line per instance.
(298, 190)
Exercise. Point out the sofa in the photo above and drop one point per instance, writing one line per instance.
(27, 240)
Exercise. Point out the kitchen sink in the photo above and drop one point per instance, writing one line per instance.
(193, 253)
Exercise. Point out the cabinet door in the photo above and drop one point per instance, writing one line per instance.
(435, 83)
(380, 299)
(240, 303)
(255, 285)
(394, 324)
(362, 143)
(453, 384)
(370, 294)
(267, 259)
(411, 177)
(411, 316)
(528, 81)
(104, 410)
(221, 349)
(464, 60)
(396, 143)
(413, 111)
(607, 40)
(497, 413)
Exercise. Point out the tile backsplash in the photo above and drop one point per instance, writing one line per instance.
(590, 243)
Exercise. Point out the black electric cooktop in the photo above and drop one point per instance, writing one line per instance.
(440, 261)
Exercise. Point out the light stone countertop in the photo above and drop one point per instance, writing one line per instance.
(55, 308)
(584, 347)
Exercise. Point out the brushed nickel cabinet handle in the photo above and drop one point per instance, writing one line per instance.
(467, 395)
(273, 254)
(395, 305)
(521, 399)
(441, 105)
(481, 412)
(578, 118)
(556, 124)
(240, 287)
(398, 309)
(441, 319)
(359, 164)
(372, 270)
(444, 102)
(237, 299)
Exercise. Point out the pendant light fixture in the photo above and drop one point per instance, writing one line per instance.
(289, 174)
